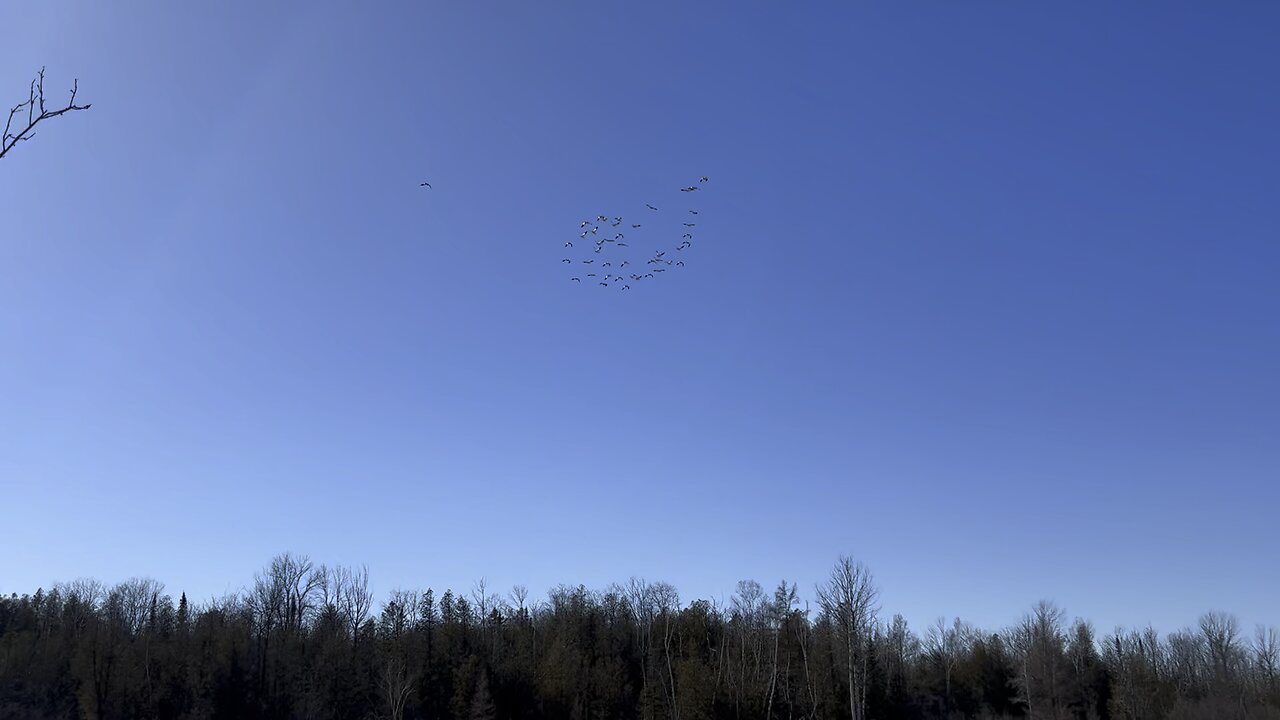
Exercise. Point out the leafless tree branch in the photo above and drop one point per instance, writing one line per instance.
(36, 111)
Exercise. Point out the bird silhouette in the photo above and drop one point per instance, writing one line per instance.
(704, 179)
(687, 235)
(568, 243)
(622, 245)
(626, 287)
(584, 234)
(680, 264)
(607, 265)
(650, 206)
(634, 226)
(690, 224)
(566, 260)
(691, 188)
(587, 262)
(576, 279)
(695, 212)
(426, 185)
(605, 284)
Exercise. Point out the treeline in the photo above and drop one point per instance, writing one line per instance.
(306, 641)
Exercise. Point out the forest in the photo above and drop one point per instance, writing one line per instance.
(307, 641)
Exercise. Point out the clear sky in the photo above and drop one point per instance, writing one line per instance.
(985, 295)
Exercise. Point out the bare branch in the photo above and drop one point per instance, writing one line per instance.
(35, 99)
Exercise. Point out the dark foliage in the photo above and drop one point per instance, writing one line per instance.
(305, 641)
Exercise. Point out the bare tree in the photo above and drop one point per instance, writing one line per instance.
(346, 591)
(130, 602)
(1039, 643)
(946, 646)
(32, 112)
(1266, 656)
(848, 599)
(396, 685)
(1222, 638)
(284, 594)
(519, 596)
(784, 601)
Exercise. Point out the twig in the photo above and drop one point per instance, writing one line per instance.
(34, 101)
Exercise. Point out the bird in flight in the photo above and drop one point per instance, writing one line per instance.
(576, 279)
(426, 185)
(634, 226)
(568, 243)
(691, 188)
(566, 260)
(695, 212)
(704, 179)
(650, 206)
(689, 224)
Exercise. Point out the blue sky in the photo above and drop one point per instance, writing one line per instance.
(983, 295)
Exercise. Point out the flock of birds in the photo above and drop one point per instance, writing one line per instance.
(613, 251)
(600, 242)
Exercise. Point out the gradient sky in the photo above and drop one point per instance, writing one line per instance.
(985, 296)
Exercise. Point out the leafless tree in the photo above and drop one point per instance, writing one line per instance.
(400, 612)
(946, 646)
(848, 598)
(1266, 656)
(284, 594)
(130, 602)
(520, 596)
(784, 601)
(667, 603)
(32, 112)
(1039, 641)
(346, 590)
(396, 685)
(1221, 632)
